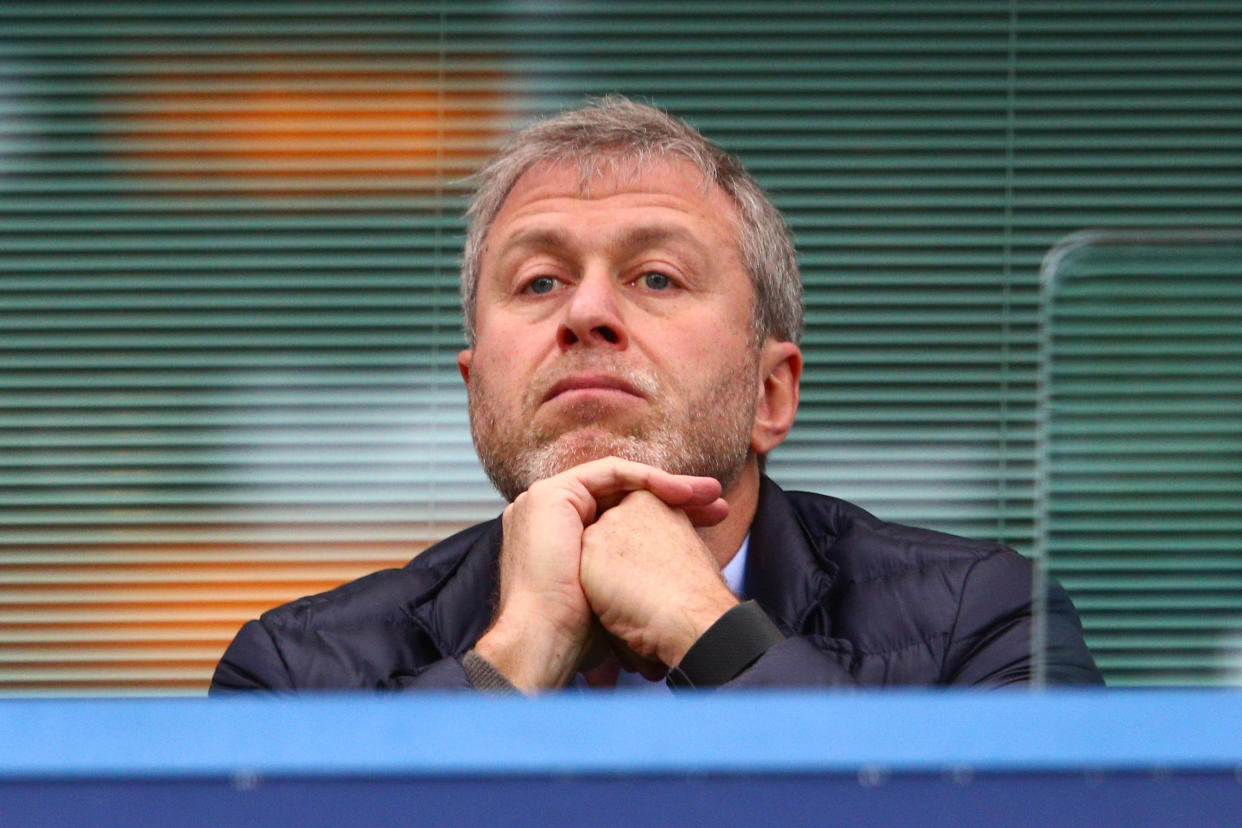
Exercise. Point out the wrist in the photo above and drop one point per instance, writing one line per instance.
(531, 656)
(484, 675)
(729, 647)
(689, 624)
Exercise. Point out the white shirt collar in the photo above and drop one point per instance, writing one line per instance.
(735, 570)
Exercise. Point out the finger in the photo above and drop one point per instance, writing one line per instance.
(704, 490)
(592, 487)
(699, 515)
(597, 648)
(708, 515)
(649, 668)
(605, 502)
(612, 475)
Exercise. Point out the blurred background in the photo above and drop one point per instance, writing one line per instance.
(229, 236)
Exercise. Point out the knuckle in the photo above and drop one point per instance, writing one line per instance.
(642, 497)
(538, 491)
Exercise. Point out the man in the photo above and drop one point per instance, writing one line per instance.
(633, 306)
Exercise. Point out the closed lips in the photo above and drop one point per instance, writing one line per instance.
(591, 382)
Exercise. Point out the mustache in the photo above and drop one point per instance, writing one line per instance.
(546, 379)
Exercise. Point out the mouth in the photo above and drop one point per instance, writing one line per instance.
(592, 382)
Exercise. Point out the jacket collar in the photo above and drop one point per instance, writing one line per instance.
(788, 570)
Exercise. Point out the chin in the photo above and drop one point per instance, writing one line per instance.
(513, 471)
(584, 445)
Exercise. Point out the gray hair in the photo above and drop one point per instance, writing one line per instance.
(615, 128)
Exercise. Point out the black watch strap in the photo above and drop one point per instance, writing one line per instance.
(729, 646)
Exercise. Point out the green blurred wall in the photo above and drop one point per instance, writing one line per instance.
(229, 235)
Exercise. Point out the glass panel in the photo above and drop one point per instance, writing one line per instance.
(1140, 473)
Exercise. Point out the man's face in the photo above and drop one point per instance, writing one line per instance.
(614, 320)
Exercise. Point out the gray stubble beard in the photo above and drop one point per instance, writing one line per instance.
(709, 438)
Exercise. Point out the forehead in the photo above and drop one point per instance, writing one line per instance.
(603, 173)
(669, 188)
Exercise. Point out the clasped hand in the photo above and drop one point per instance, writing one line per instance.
(605, 555)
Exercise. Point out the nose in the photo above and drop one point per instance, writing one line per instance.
(593, 315)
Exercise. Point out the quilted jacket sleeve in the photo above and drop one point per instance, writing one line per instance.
(987, 640)
(794, 662)
(991, 643)
(254, 661)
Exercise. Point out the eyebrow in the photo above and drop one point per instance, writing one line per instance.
(652, 235)
(550, 238)
(538, 238)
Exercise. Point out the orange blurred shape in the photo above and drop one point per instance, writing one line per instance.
(294, 130)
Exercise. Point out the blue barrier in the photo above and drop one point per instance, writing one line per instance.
(925, 758)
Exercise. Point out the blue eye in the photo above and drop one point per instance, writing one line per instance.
(541, 284)
(656, 281)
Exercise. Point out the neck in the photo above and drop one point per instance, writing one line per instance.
(725, 537)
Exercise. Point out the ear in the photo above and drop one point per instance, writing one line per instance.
(780, 368)
(464, 359)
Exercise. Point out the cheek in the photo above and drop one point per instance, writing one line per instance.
(711, 349)
(503, 369)
(508, 339)
(498, 352)
(483, 374)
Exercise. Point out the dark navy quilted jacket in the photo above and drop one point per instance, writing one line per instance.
(864, 602)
